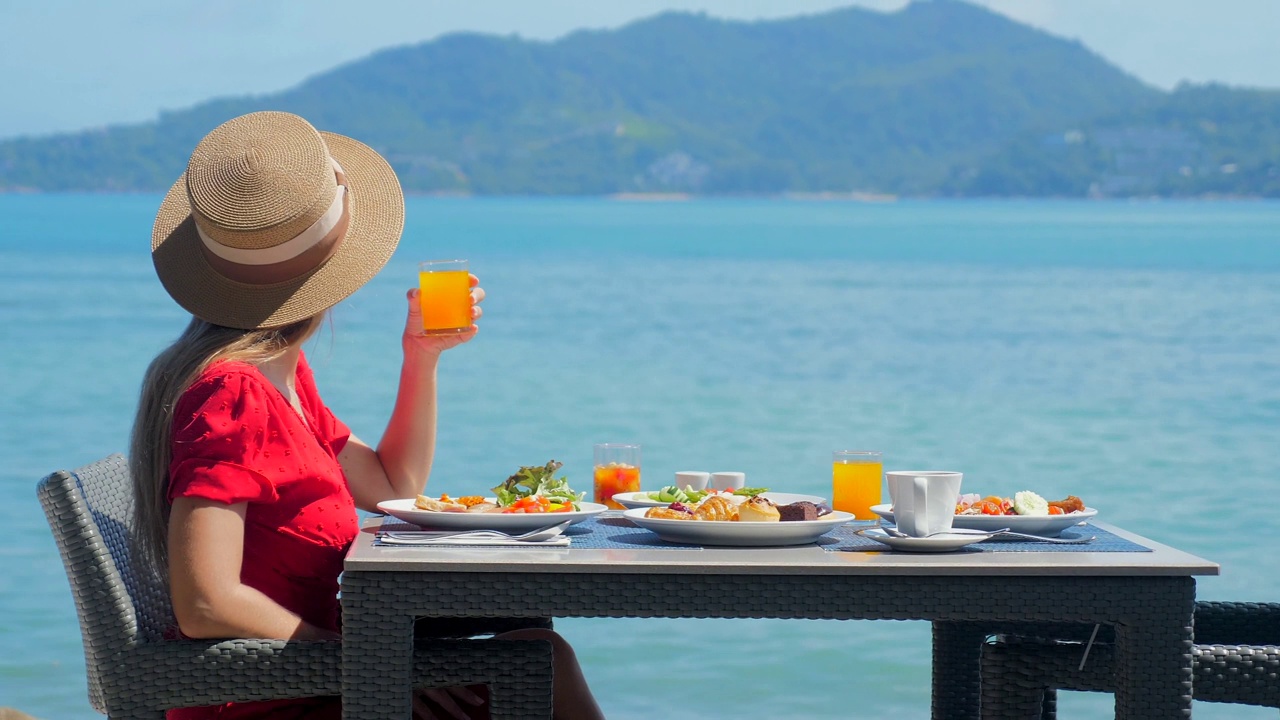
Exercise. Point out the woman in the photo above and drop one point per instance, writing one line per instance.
(246, 484)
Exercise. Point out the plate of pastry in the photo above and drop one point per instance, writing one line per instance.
(648, 499)
(755, 523)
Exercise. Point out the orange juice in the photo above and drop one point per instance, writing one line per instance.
(855, 486)
(615, 478)
(445, 298)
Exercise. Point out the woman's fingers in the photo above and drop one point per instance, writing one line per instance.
(413, 321)
(434, 703)
(465, 695)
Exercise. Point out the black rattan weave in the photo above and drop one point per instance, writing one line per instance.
(134, 673)
(1152, 617)
(1236, 659)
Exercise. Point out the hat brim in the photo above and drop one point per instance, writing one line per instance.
(377, 220)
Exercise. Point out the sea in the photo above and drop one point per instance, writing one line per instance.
(1124, 352)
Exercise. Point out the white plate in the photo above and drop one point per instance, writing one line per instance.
(742, 534)
(403, 509)
(1042, 525)
(641, 499)
(936, 543)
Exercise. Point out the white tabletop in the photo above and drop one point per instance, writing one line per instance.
(803, 559)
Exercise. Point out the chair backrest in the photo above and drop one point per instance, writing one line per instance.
(90, 511)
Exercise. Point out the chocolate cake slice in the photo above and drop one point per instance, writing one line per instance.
(802, 510)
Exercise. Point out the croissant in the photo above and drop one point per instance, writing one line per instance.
(667, 514)
(716, 508)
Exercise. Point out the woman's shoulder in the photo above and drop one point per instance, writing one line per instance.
(226, 377)
(222, 371)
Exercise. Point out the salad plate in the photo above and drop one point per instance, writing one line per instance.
(1042, 525)
(404, 509)
(739, 534)
(631, 500)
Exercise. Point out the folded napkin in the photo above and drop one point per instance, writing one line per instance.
(429, 541)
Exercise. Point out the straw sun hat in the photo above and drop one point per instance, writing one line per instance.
(274, 222)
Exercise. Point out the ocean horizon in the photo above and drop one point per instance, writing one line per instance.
(1127, 352)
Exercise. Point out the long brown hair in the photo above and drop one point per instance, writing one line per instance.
(167, 378)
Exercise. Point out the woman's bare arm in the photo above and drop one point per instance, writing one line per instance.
(206, 546)
(400, 465)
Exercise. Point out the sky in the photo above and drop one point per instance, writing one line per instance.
(68, 65)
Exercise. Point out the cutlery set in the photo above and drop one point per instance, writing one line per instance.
(549, 535)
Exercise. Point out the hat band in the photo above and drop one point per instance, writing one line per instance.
(297, 256)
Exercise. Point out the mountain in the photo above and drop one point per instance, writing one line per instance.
(941, 97)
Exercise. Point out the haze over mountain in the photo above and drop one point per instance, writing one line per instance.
(940, 98)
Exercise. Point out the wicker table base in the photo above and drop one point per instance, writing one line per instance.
(1151, 616)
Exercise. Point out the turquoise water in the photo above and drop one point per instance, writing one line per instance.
(1128, 353)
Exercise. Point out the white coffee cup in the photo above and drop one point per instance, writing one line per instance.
(692, 480)
(728, 480)
(924, 501)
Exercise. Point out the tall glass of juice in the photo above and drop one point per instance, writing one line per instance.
(617, 470)
(856, 480)
(444, 294)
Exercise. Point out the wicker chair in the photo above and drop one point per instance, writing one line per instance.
(133, 672)
(1235, 659)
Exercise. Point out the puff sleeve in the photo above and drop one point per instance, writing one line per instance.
(220, 433)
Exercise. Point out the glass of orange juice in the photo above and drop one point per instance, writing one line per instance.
(617, 470)
(444, 294)
(856, 480)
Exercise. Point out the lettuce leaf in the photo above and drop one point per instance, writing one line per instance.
(538, 480)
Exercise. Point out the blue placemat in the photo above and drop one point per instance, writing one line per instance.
(843, 539)
(611, 531)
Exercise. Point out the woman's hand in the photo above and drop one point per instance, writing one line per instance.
(416, 341)
(442, 703)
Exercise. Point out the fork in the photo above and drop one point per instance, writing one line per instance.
(536, 535)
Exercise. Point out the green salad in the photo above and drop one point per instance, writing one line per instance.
(535, 480)
(671, 493)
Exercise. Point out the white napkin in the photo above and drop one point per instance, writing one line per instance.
(558, 541)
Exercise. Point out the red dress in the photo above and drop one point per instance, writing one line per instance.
(237, 439)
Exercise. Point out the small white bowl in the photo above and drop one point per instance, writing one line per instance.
(728, 480)
(692, 480)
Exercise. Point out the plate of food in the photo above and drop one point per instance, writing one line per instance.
(407, 510)
(670, 494)
(758, 522)
(1025, 512)
(529, 499)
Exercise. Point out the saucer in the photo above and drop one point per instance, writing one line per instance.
(945, 542)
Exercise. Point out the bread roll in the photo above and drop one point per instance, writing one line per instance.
(758, 509)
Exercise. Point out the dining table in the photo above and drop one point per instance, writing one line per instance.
(1142, 589)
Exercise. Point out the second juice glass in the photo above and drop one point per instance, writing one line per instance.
(856, 480)
(617, 470)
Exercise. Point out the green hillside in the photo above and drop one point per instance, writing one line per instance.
(941, 97)
(1195, 141)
